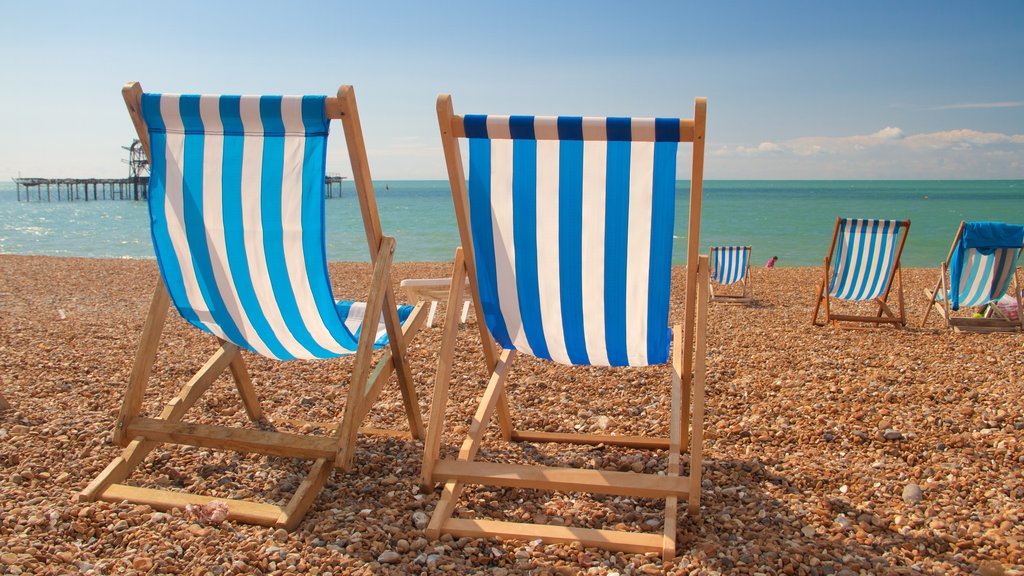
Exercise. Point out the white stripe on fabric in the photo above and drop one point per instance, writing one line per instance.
(548, 280)
(878, 265)
(504, 241)
(213, 217)
(291, 221)
(887, 263)
(252, 222)
(851, 246)
(174, 211)
(638, 249)
(354, 320)
(595, 162)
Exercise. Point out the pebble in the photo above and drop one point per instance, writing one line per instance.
(912, 494)
(891, 434)
(420, 520)
(389, 557)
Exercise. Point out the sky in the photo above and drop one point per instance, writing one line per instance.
(796, 90)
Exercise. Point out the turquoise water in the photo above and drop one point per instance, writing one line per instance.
(790, 219)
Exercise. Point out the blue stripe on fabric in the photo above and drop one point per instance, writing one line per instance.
(619, 130)
(866, 262)
(475, 125)
(570, 128)
(844, 247)
(666, 130)
(524, 232)
(314, 242)
(166, 259)
(616, 245)
(273, 234)
(234, 231)
(570, 237)
(194, 220)
(663, 210)
(483, 238)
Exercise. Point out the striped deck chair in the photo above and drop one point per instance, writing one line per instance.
(730, 265)
(566, 230)
(865, 260)
(979, 270)
(237, 211)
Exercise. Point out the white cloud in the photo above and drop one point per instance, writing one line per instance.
(980, 105)
(885, 153)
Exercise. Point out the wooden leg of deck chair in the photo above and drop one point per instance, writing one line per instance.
(305, 495)
(674, 443)
(145, 355)
(932, 295)
(385, 367)
(406, 384)
(821, 294)
(453, 489)
(136, 450)
(699, 369)
(903, 315)
(361, 369)
(442, 377)
(240, 373)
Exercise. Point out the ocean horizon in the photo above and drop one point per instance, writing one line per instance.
(791, 219)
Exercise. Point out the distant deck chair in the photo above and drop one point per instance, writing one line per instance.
(432, 290)
(731, 265)
(981, 266)
(237, 204)
(566, 230)
(861, 265)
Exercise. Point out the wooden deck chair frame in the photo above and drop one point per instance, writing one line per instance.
(140, 435)
(431, 290)
(687, 384)
(747, 297)
(885, 314)
(994, 321)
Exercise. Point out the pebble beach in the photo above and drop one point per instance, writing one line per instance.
(876, 451)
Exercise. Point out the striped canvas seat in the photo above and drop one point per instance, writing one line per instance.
(237, 210)
(729, 264)
(573, 234)
(985, 277)
(865, 255)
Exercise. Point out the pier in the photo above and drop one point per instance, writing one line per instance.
(95, 189)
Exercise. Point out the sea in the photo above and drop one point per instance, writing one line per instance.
(791, 219)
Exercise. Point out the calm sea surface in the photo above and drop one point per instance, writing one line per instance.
(790, 219)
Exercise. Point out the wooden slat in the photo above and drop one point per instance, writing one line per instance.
(562, 479)
(487, 405)
(686, 130)
(869, 319)
(640, 442)
(251, 402)
(237, 439)
(693, 233)
(606, 539)
(293, 513)
(145, 354)
(442, 376)
(238, 510)
(699, 371)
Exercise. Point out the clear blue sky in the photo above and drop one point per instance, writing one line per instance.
(796, 89)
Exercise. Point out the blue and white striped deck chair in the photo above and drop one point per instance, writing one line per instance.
(731, 265)
(865, 261)
(236, 199)
(981, 265)
(566, 227)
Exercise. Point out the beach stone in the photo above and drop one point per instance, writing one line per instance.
(991, 568)
(420, 519)
(843, 522)
(809, 531)
(389, 557)
(912, 494)
(891, 434)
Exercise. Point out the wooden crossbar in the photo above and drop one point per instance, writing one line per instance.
(563, 479)
(242, 510)
(607, 539)
(639, 442)
(236, 439)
